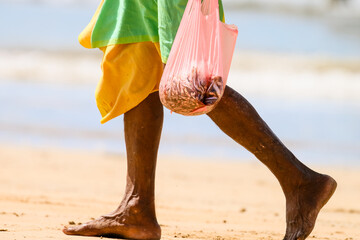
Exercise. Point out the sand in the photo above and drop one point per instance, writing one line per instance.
(43, 190)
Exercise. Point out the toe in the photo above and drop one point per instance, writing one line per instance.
(68, 230)
(78, 230)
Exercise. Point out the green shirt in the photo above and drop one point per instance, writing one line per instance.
(129, 21)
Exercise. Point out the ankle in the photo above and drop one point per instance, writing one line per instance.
(305, 180)
(134, 205)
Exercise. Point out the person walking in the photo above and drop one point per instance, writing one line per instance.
(136, 37)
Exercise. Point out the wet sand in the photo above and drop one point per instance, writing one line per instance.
(43, 190)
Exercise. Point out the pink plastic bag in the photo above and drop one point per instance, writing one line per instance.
(195, 76)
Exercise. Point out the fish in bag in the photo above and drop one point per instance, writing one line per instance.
(195, 76)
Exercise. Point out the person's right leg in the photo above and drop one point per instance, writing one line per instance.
(135, 217)
(306, 191)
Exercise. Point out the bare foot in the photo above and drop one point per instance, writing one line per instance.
(110, 227)
(304, 204)
(129, 224)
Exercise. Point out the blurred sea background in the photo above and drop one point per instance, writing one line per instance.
(296, 61)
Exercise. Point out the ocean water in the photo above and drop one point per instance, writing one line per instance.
(41, 26)
(47, 114)
(52, 115)
(287, 33)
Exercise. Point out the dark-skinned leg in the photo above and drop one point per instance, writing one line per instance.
(135, 217)
(306, 191)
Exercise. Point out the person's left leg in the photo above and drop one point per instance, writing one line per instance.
(306, 191)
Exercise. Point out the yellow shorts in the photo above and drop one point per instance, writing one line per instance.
(130, 73)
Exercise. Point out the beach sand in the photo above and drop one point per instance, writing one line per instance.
(43, 190)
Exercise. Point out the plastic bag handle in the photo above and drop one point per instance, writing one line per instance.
(209, 7)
